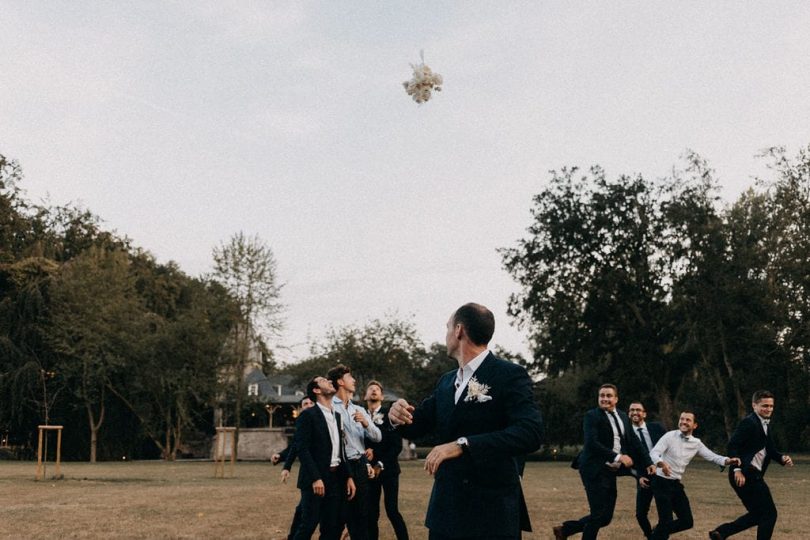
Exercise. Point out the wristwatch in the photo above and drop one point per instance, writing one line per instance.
(463, 443)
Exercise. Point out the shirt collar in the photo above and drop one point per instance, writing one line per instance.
(642, 425)
(326, 410)
(474, 364)
(764, 421)
(337, 401)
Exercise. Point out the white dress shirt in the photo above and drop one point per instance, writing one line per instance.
(463, 375)
(354, 432)
(331, 424)
(677, 451)
(759, 458)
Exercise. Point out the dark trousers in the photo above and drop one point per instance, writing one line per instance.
(438, 536)
(323, 511)
(756, 497)
(355, 512)
(644, 497)
(295, 522)
(670, 498)
(601, 493)
(390, 485)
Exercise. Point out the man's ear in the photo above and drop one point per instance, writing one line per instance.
(459, 330)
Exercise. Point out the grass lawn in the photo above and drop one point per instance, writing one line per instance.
(184, 500)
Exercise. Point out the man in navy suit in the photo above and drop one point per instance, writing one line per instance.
(753, 444)
(484, 417)
(324, 476)
(648, 434)
(385, 463)
(288, 456)
(609, 445)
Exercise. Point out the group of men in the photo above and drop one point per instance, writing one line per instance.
(618, 444)
(347, 459)
(483, 416)
(485, 420)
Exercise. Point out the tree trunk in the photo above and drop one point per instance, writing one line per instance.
(666, 406)
(94, 428)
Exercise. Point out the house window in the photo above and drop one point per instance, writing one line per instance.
(253, 389)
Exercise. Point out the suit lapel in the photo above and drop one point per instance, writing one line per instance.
(482, 375)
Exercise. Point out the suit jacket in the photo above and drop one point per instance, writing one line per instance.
(388, 449)
(748, 439)
(598, 448)
(289, 455)
(656, 431)
(314, 448)
(479, 493)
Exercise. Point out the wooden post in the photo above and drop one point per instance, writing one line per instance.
(40, 467)
(223, 433)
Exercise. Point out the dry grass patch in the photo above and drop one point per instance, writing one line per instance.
(184, 500)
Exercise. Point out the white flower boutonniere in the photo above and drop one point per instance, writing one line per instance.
(477, 391)
(377, 418)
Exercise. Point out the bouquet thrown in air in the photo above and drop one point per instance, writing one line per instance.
(423, 83)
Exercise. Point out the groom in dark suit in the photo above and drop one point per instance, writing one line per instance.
(753, 444)
(609, 445)
(648, 434)
(324, 476)
(484, 417)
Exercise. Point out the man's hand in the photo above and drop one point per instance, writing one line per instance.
(644, 482)
(401, 413)
(369, 454)
(733, 461)
(739, 478)
(284, 475)
(275, 458)
(350, 488)
(665, 468)
(360, 419)
(440, 453)
(786, 460)
(318, 488)
(377, 471)
(626, 460)
(370, 471)
(651, 469)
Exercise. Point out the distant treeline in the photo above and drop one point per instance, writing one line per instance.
(656, 286)
(682, 301)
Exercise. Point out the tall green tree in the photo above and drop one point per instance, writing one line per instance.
(247, 269)
(590, 273)
(96, 316)
(388, 350)
(172, 379)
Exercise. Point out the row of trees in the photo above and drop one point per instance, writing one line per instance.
(654, 285)
(98, 336)
(678, 299)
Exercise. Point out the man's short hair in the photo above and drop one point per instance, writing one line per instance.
(336, 373)
(690, 411)
(301, 401)
(612, 387)
(374, 382)
(759, 395)
(478, 322)
(311, 386)
(637, 402)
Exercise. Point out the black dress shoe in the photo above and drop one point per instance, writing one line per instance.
(714, 535)
(558, 533)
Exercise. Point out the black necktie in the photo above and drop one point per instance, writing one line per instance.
(643, 441)
(616, 421)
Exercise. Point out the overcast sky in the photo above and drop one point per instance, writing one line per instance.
(181, 123)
